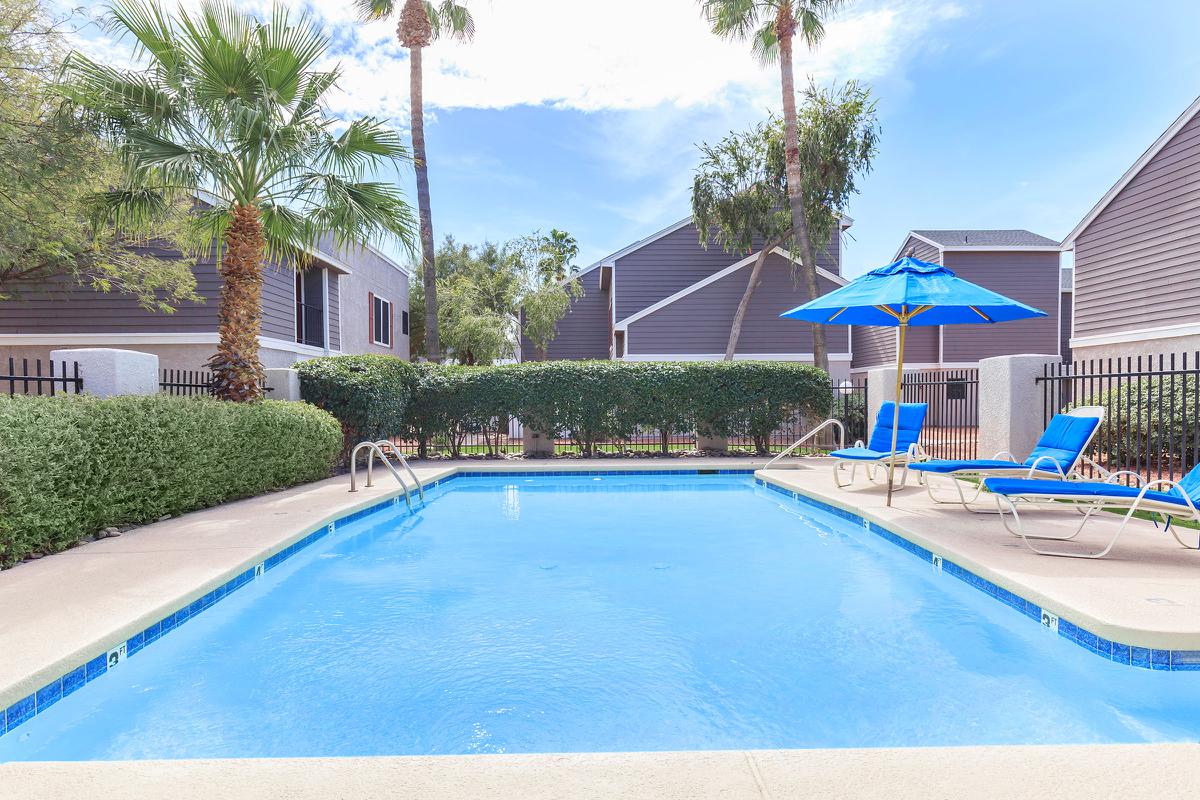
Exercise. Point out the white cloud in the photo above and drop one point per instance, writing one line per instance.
(587, 56)
(618, 55)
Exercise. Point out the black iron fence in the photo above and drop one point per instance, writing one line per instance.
(189, 383)
(848, 404)
(50, 379)
(952, 421)
(186, 382)
(1152, 409)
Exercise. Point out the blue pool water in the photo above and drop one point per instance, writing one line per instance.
(603, 613)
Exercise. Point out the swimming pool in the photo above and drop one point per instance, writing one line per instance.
(601, 613)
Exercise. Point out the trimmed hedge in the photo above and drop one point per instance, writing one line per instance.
(368, 394)
(1155, 416)
(73, 465)
(588, 401)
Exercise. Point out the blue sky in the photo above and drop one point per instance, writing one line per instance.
(585, 116)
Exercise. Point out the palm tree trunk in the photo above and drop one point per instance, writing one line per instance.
(735, 330)
(785, 26)
(237, 372)
(433, 347)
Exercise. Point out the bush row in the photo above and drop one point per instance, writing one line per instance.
(587, 401)
(73, 465)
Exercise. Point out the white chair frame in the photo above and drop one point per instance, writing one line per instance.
(1088, 505)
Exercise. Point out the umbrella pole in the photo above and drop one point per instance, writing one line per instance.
(896, 405)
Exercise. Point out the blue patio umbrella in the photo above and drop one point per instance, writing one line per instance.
(908, 293)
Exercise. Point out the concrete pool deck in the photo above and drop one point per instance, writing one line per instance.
(1145, 591)
(1129, 772)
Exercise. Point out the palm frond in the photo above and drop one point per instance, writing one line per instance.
(765, 44)
(361, 211)
(734, 19)
(367, 143)
(150, 28)
(450, 19)
(371, 10)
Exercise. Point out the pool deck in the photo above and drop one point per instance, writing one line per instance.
(1146, 592)
(1128, 772)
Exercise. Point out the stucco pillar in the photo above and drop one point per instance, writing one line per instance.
(107, 372)
(881, 387)
(283, 383)
(718, 443)
(1011, 416)
(537, 443)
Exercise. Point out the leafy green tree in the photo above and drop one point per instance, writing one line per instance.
(558, 251)
(772, 26)
(50, 164)
(739, 193)
(421, 24)
(498, 292)
(545, 266)
(231, 108)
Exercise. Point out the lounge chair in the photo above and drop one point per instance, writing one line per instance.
(1057, 455)
(1171, 500)
(878, 451)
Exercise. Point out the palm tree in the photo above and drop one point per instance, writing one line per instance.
(230, 110)
(421, 23)
(772, 25)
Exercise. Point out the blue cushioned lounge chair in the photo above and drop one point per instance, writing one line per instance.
(1057, 454)
(878, 451)
(1171, 500)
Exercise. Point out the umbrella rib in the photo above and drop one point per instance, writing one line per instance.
(986, 318)
(831, 319)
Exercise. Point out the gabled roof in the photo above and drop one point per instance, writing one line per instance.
(610, 259)
(964, 239)
(713, 278)
(1159, 143)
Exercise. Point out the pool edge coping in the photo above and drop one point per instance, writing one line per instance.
(35, 692)
(1134, 647)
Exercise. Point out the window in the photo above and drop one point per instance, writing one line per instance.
(404, 323)
(381, 321)
(956, 389)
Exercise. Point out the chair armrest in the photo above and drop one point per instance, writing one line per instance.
(1168, 485)
(1112, 476)
(1033, 468)
(859, 443)
(1004, 454)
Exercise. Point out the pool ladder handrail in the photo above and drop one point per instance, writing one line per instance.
(387, 443)
(374, 449)
(841, 439)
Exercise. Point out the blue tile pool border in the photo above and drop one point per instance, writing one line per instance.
(36, 702)
(70, 682)
(1142, 657)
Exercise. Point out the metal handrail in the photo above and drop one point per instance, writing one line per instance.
(841, 438)
(382, 443)
(374, 448)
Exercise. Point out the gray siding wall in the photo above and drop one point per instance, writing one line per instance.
(351, 302)
(1032, 278)
(699, 323)
(922, 250)
(1137, 265)
(584, 331)
(67, 308)
(877, 346)
(279, 303)
(676, 261)
(1064, 327)
(334, 311)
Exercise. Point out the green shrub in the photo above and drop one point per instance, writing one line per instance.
(1151, 416)
(369, 394)
(590, 401)
(753, 398)
(73, 465)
